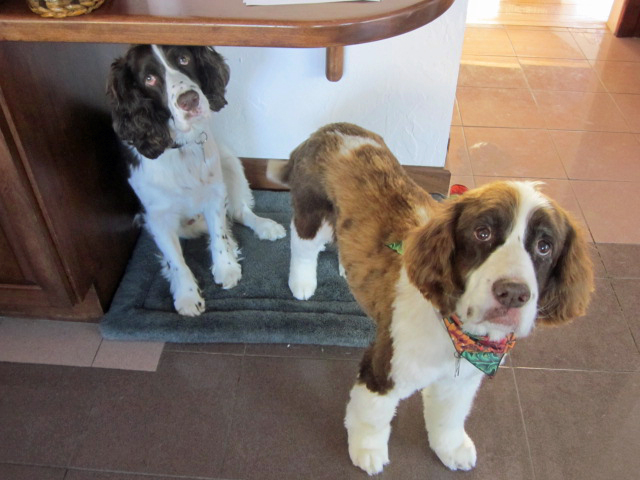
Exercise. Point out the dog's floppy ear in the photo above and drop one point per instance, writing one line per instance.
(428, 258)
(137, 119)
(568, 289)
(213, 73)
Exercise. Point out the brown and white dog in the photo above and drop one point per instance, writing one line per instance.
(500, 257)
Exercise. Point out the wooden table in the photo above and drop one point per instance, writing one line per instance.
(65, 206)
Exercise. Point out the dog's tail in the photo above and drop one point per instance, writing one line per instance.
(279, 171)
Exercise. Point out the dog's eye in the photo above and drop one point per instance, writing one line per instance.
(543, 248)
(150, 80)
(183, 60)
(482, 233)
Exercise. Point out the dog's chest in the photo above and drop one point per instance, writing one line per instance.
(189, 172)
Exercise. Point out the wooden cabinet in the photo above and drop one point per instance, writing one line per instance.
(66, 210)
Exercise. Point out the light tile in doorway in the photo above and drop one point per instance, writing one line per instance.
(486, 41)
(498, 107)
(579, 111)
(629, 105)
(142, 356)
(490, 71)
(602, 45)
(619, 77)
(48, 342)
(599, 155)
(561, 74)
(544, 43)
(512, 152)
(609, 209)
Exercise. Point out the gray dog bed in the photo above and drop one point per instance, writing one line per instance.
(260, 309)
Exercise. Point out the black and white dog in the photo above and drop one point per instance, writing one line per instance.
(161, 101)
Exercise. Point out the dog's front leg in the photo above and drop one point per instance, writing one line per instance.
(186, 294)
(446, 406)
(224, 251)
(368, 422)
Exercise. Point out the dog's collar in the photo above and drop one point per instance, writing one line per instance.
(396, 247)
(201, 141)
(481, 352)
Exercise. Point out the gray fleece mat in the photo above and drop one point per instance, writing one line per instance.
(260, 309)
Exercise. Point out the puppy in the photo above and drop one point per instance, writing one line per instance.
(450, 286)
(161, 103)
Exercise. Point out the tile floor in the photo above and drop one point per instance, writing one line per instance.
(560, 105)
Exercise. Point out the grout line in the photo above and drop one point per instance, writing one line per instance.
(524, 424)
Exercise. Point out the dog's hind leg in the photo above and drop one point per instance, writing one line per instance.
(240, 200)
(186, 294)
(446, 406)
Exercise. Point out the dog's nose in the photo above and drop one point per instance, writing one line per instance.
(188, 100)
(511, 294)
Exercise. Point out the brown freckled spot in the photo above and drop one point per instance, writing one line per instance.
(469, 312)
(347, 223)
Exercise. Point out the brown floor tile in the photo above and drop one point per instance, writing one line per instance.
(598, 341)
(25, 472)
(579, 111)
(619, 77)
(581, 425)
(91, 475)
(608, 209)
(628, 293)
(561, 74)
(602, 45)
(288, 420)
(457, 156)
(127, 355)
(171, 422)
(512, 152)
(598, 155)
(498, 107)
(305, 351)
(214, 348)
(544, 43)
(43, 412)
(487, 41)
(491, 71)
(620, 260)
(629, 105)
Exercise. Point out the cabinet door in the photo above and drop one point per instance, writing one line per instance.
(30, 271)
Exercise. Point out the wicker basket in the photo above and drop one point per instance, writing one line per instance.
(63, 8)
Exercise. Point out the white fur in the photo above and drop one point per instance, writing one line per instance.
(195, 182)
(304, 260)
(422, 360)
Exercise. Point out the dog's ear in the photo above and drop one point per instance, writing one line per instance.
(213, 73)
(137, 119)
(567, 291)
(428, 258)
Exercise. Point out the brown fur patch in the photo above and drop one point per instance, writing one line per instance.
(378, 204)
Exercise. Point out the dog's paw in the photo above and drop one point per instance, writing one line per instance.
(227, 273)
(190, 304)
(267, 229)
(371, 460)
(303, 286)
(462, 457)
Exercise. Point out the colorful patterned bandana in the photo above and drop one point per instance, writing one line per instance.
(481, 352)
